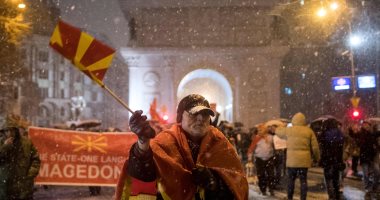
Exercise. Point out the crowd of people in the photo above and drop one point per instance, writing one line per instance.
(210, 160)
(339, 149)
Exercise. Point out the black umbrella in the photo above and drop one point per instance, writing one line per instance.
(318, 124)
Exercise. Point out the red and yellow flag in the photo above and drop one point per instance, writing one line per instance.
(88, 54)
(153, 112)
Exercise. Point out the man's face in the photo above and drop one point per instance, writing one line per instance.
(196, 125)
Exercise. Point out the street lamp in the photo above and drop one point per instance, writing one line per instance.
(354, 40)
(321, 12)
(334, 6)
(21, 6)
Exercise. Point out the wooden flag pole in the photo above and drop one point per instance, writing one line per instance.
(117, 98)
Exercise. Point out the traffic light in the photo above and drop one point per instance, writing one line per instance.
(355, 114)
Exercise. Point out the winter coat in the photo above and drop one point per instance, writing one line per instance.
(173, 162)
(331, 141)
(4, 166)
(366, 141)
(21, 167)
(302, 143)
(354, 147)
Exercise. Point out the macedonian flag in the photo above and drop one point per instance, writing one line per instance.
(88, 54)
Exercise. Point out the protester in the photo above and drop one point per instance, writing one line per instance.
(367, 142)
(376, 161)
(354, 131)
(279, 155)
(302, 145)
(192, 160)
(331, 144)
(263, 149)
(19, 161)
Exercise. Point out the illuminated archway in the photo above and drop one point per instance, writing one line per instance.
(213, 86)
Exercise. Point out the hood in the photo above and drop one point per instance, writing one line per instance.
(299, 119)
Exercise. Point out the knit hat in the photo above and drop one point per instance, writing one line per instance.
(193, 103)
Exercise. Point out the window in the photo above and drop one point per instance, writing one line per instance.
(62, 76)
(43, 112)
(62, 60)
(15, 92)
(43, 56)
(44, 92)
(62, 93)
(62, 111)
(43, 73)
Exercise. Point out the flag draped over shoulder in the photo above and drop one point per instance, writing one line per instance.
(88, 54)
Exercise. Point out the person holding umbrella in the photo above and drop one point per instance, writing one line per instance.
(331, 142)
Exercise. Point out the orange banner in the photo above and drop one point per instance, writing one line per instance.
(79, 157)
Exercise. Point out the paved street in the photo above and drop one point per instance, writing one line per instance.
(352, 190)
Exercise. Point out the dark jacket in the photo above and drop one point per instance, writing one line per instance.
(18, 168)
(331, 141)
(366, 141)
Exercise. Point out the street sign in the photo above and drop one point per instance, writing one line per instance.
(355, 101)
(341, 83)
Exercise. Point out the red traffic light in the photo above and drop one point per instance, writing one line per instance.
(355, 113)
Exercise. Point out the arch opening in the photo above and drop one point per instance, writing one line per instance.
(213, 86)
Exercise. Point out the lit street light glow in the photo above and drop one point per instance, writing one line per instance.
(21, 6)
(321, 12)
(355, 40)
(334, 5)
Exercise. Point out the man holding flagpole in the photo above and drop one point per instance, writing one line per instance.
(191, 160)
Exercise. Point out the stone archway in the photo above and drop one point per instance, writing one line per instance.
(213, 86)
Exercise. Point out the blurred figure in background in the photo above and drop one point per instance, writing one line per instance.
(353, 132)
(263, 152)
(19, 161)
(367, 142)
(331, 145)
(279, 155)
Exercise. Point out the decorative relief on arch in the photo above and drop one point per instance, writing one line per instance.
(132, 60)
(151, 79)
(257, 79)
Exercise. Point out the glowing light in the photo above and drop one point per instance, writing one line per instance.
(355, 113)
(334, 6)
(355, 40)
(21, 6)
(165, 117)
(321, 12)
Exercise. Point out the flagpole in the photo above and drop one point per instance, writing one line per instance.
(117, 98)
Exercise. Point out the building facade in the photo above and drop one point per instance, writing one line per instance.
(224, 50)
(60, 85)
